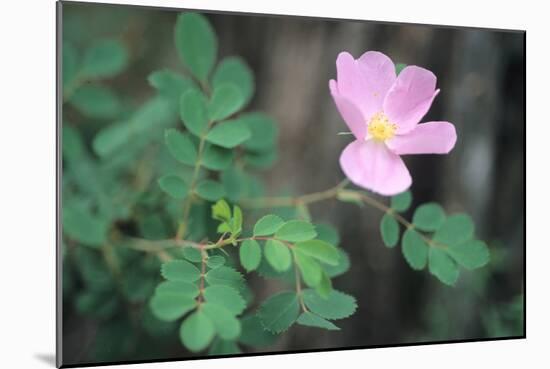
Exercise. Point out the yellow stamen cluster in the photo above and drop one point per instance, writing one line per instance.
(380, 127)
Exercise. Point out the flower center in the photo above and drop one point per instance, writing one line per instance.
(380, 127)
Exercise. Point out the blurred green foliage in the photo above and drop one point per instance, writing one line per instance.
(151, 182)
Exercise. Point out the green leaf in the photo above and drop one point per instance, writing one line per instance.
(324, 288)
(174, 186)
(263, 130)
(237, 221)
(193, 112)
(217, 158)
(226, 296)
(310, 269)
(96, 102)
(399, 67)
(225, 323)
(226, 100)
(215, 261)
(228, 134)
(250, 255)
(260, 160)
(278, 255)
(235, 182)
(177, 288)
(192, 254)
(429, 217)
(117, 136)
(180, 146)
(337, 305)
(339, 269)
(389, 228)
(223, 228)
(180, 270)
(442, 266)
(221, 210)
(319, 250)
(296, 231)
(197, 331)
(196, 44)
(279, 312)
(225, 276)
(235, 71)
(170, 84)
(253, 333)
(223, 347)
(327, 233)
(170, 307)
(210, 190)
(70, 63)
(311, 320)
(267, 225)
(401, 202)
(107, 58)
(84, 227)
(415, 249)
(73, 145)
(456, 229)
(471, 254)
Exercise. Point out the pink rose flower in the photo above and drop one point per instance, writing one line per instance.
(382, 111)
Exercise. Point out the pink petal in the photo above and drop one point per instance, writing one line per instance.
(379, 73)
(349, 112)
(365, 81)
(410, 97)
(425, 138)
(351, 84)
(370, 164)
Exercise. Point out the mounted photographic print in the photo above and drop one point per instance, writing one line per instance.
(244, 184)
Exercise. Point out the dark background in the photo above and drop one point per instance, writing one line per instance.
(481, 77)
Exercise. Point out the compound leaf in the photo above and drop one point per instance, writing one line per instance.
(193, 112)
(415, 249)
(296, 231)
(320, 250)
(197, 331)
(234, 70)
(106, 58)
(389, 228)
(337, 305)
(196, 44)
(210, 190)
(456, 229)
(229, 134)
(311, 320)
(180, 146)
(429, 217)
(442, 266)
(278, 255)
(226, 100)
(174, 186)
(226, 296)
(279, 312)
(225, 323)
(250, 255)
(471, 254)
(180, 270)
(401, 202)
(267, 225)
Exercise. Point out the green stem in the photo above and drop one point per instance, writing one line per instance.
(286, 201)
(204, 257)
(189, 199)
(299, 285)
(338, 192)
